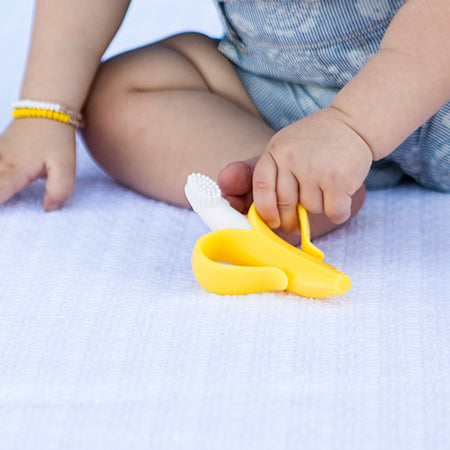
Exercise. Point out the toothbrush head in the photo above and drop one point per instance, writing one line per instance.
(202, 189)
(205, 197)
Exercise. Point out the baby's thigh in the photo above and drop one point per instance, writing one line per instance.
(184, 61)
(160, 112)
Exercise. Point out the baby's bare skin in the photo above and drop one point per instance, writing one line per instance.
(160, 112)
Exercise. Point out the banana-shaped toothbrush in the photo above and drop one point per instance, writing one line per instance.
(242, 255)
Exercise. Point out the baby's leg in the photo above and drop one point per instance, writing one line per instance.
(160, 112)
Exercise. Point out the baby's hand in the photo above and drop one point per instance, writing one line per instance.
(319, 161)
(38, 148)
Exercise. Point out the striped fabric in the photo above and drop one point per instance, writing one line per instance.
(309, 42)
(293, 56)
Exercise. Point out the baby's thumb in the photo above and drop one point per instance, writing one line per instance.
(59, 185)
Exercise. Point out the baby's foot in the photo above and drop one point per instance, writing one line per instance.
(235, 182)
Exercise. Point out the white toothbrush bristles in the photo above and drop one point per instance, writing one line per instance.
(206, 200)
(204, 188)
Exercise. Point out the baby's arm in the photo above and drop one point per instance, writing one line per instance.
(323, 159)
(406, 82)
(68, 41)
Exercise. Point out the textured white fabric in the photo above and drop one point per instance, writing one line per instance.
(107, 341)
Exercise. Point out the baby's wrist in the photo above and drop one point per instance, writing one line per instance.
(46, 110)
(29, 132)
(346, 120)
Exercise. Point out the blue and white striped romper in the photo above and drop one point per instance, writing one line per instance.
(293, 56)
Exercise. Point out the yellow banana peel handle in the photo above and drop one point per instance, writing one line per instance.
(235, 261)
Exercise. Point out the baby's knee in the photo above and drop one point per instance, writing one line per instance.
(190, 41)
(109, 82)
(103, 109)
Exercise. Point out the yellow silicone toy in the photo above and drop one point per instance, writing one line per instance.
(235, 261)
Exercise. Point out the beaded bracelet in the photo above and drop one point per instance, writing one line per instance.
(46, 110)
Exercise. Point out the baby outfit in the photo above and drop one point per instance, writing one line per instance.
(293, 56)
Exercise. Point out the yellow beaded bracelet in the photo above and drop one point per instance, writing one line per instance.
(45, 110)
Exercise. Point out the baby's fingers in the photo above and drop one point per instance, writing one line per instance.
(337, 206)
(11, 182)
(311, 198)
(265, 190)
(59, 185)
(288, 198)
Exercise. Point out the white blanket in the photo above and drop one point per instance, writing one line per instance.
(108, 342)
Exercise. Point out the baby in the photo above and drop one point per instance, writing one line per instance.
(301, 101)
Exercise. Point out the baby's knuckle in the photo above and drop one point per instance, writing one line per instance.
(286, 203)
(260, 184)
(280, 150)
(340, 174)
(273, 145)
